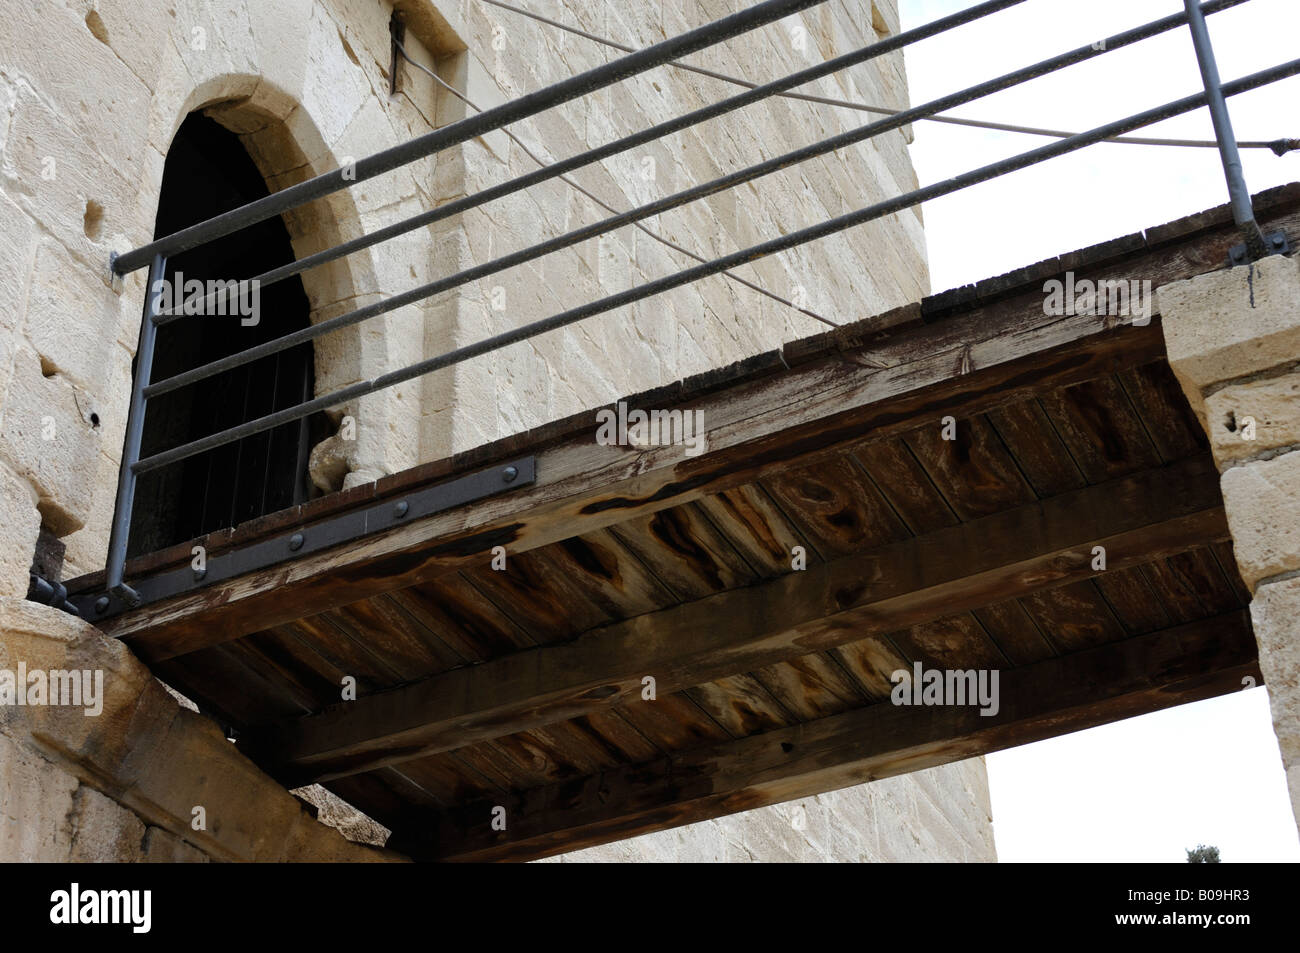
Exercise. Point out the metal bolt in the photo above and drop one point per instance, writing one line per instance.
(295, 542)
(101, 605)
(509, 474)
(401, 509)
(1278, 241)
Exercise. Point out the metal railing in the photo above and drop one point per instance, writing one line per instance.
(118, 595)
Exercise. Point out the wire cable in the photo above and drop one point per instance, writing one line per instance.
(608, 208)
(1278, 146)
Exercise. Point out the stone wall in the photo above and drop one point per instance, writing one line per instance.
(1234, 342)
(305, 84)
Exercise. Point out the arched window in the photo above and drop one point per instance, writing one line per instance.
(208, 172)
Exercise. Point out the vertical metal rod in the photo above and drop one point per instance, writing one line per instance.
(1243, 211)
(126, 480)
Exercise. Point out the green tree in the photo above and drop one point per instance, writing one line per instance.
(1203, 855)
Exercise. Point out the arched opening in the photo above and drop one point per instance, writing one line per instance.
(208, 172)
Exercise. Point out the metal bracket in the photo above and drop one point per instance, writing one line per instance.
(47, 593)
(1276, 243)
(397, 39)
(336, 531)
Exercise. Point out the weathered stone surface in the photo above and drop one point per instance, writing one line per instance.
(1262, 499)
(1275, 614)
(151, 756)
(48, 437)
(1233, 323)
(22, 524)
(1250, 418)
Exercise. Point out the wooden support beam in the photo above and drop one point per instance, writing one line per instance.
(1191, 662)
(1145, 516)
(983, 346)
(903, 380)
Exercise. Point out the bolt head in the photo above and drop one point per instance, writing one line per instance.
(101, 604)
(401, 509)
(295, 542)
(509, 474)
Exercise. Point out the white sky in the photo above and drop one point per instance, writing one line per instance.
(1147, 788)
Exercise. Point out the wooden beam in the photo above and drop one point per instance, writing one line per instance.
(907, 379)
(1143, 674)
(1048, 543)
(990, 344)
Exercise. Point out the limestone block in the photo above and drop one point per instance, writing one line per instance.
(150, 755)
(73, 318)
(82, 198)
(108, 116)
(162, 847)
(1232, 323)
(20, 524)
(130, 29)
(1262, 500)
(48, 437)
(103, 832)
(35, 801)
(1275, 613)
(1247, 419)
(16, 253)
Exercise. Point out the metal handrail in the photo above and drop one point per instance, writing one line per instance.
(1214, 96)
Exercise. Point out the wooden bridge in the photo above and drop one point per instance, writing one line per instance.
(526, 687)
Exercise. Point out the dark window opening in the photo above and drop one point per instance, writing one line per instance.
(208, 172)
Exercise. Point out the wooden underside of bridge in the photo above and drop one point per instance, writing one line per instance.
(523, 688)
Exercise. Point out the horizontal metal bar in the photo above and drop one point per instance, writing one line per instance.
(529, 105)
(1273, 144)
(303, 541)
(667, 128)
(695, 193)
(725, 263)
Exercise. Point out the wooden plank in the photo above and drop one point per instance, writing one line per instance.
(757, 529)
(755, 429)
(1074, 617)
(741, 704)
(1037, 447)
(1169, 419)
(1014, 632)
(462, 618)
(906, 485)
(1101, 428)
(956, 641)
(811, 686)
(871, 662)
(973, 471)
(1043, 700)
(836, 506)
(401, 640)
(1138, 609)
(685, 552)
(1037, 546)
(673, 722)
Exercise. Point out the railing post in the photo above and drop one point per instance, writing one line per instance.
(1243, 212)
(117, 541)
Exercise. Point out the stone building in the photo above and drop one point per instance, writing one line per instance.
(109, 110)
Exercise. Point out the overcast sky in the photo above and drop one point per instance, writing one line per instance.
(1147, 788)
